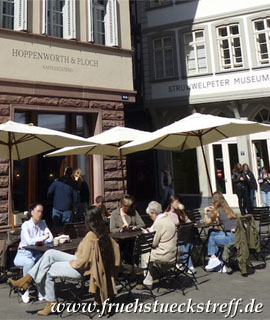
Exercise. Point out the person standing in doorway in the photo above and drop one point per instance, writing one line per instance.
(264, 182)
(166, 185)
(252, 183)
(240, 184)
(84, 195)
(64, 192)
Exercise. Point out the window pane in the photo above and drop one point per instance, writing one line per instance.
(157, 43)
(188, 38)
(159, 64)
(167, 42)
(169, 63)
(222, 32)
(234, 30)
(259, 25)
(8, 14)
(52, 121)
(199, 36)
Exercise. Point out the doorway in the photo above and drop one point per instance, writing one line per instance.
(33, 176)
(223, 157)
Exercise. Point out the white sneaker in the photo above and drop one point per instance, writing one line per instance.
(180, 266)
(25, 297)
(191, 270)
(212, 264)
(40, 297)
(223, 270)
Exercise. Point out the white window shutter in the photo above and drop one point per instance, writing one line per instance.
(69, 20)
(90, 21)
(44, 16)
(20, 15)
(111, 24)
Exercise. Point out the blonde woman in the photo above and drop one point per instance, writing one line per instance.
(126, 217)
(83, 193)
(220, 212)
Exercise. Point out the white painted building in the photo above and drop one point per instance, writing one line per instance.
(215, 56)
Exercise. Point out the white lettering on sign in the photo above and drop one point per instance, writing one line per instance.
(222, 85)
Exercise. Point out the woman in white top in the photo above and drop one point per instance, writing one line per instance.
(34, 230)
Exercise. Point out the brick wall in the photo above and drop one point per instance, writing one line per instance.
(112, 115)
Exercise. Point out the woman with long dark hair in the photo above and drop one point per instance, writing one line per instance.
(221, 213)
(97, 253)
(240, 184)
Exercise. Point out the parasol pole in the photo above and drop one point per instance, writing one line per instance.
(122, 169)
(10, 182)
(206, 166)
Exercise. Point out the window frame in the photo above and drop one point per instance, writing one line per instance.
(182, 55)
(111, 28)
(69, 19)
(151, 56)
(216, 46)
(20, 15)
(253, 48)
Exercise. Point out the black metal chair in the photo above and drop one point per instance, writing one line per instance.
(73, 291)
(170, 272)
(131, 275)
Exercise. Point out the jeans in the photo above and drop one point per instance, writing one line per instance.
(167, 192)
(26, 259)
(219, 237)
(53, 263)
(186, 248)
(61, 217)
(265, 198)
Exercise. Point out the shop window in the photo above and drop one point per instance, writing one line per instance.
(159, 3)
(230, 48)
(263, 116)
(163, 55)
(58, 18)
(13, 14)
(261, 29)
(195, 52)
(102, 22)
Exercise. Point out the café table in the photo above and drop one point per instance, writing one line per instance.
(64, 247)
(125, 235)
(126, 242)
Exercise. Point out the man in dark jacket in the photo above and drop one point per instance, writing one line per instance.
(64, 192)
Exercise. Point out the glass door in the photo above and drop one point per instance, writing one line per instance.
(223, 157)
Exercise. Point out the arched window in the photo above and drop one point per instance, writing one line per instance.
(263, 116)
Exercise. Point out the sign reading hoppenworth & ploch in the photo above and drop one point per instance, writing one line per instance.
(63, 63)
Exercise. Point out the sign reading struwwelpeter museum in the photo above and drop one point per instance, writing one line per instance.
(219, 87)
(43, 61)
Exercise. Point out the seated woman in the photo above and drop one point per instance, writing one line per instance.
(32, 231)
(221, 213)
(164, 243)
(176, 211)
(94, 256)
(126, 216)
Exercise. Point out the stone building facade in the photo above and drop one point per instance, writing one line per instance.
(77, 82)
